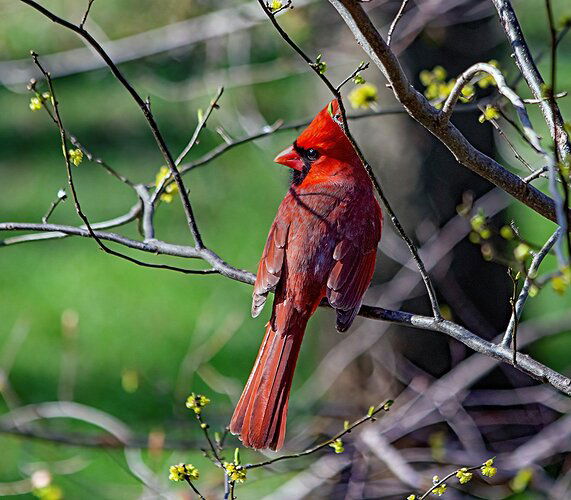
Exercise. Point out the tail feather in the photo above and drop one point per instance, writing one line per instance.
(260, 415)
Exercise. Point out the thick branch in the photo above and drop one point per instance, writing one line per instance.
(420, 109)
(524, 363)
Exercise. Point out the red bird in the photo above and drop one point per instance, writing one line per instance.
(322, 243)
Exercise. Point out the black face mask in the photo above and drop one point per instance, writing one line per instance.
(308, 156)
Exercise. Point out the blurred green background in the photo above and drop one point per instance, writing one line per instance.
(136, 325)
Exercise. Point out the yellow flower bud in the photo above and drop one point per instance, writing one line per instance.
(35, 103)
(487, 469)
(196, 402)
(464, 476)
(235, 472)
(364, 96)
(75, 156)
(337, 446)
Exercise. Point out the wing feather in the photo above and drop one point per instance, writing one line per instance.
(355, 257)
(271, 264)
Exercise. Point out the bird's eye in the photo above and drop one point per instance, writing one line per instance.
(312, 154)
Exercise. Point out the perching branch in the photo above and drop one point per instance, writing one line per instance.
(524, 363)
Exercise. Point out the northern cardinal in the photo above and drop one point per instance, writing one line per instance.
(322, 243)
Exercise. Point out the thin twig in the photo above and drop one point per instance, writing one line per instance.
(514, 125)
(204, 427)
(73, 139)
(71, 183)
(61, 196)
(84, 18)
(559, 95)
(183, 193)
(194, 488)
(396, 20)
(446, 478)
(536, 173)
(516, 153)
(524, 293)
(201, 124)
(100, 162)
(385, 406)
(232, 486)
(362, 66)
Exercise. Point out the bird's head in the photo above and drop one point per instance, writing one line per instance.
(321, 141)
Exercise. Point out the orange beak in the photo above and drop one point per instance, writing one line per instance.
(290, 158)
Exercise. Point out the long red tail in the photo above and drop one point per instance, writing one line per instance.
(260, 415)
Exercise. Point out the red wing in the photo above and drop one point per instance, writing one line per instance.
(270, 267)
(349, 280)
(354, 257)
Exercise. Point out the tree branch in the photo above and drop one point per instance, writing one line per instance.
(533, 268)
(420, 109)
(528, 69)
(524, 363)
(142, 105)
